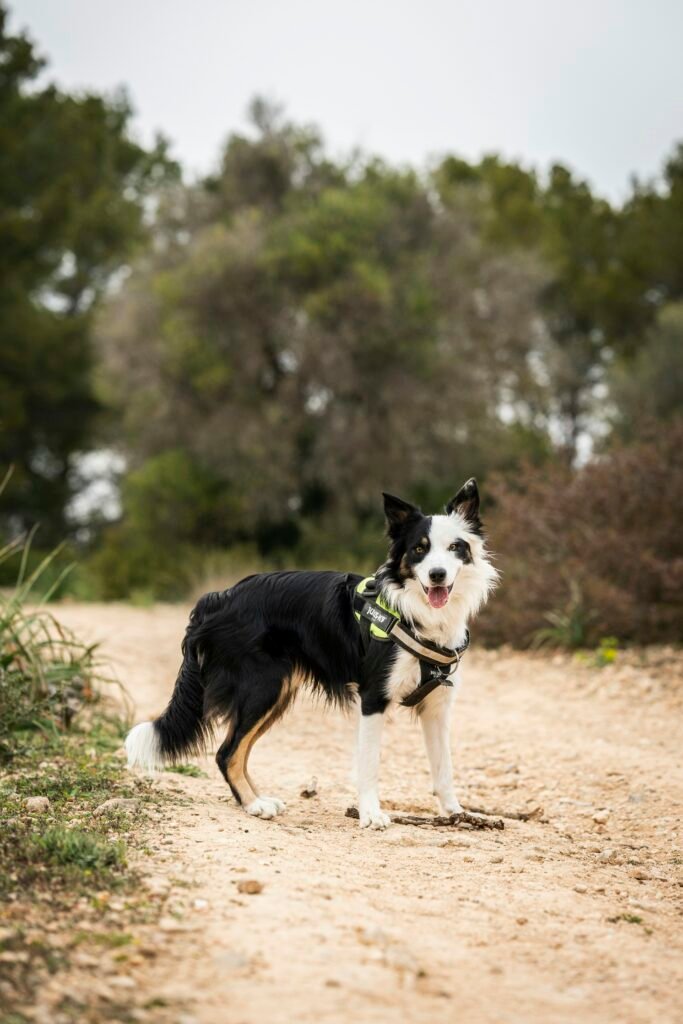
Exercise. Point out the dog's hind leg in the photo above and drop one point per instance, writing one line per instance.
(260, 707)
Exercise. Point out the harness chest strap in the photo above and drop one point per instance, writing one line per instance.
(380, 622)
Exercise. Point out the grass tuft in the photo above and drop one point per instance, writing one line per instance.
(46, 674)
(193, 770)
(65, 847)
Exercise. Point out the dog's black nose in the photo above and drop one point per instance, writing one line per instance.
(437, 575)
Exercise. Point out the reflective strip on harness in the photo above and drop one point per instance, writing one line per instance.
(381, 617)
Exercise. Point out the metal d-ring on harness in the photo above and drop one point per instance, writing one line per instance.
(380, 623)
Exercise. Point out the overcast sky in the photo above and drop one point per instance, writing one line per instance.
(598, 85)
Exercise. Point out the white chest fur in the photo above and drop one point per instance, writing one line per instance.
(405, 677)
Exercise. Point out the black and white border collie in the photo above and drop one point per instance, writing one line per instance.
(248, 649)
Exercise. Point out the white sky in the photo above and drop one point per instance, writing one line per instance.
(598, 85)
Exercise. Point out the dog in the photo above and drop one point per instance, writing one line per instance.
(249, 649)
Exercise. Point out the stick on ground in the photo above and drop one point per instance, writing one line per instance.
(463, 820)
(533, 815)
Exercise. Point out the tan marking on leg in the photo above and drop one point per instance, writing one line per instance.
(237, 766)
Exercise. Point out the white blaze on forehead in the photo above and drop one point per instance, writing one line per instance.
(443, 531)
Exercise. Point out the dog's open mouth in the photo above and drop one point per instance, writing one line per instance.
(437, 596)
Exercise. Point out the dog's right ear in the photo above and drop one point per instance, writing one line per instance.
(398, 513)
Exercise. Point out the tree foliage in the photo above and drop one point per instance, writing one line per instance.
(73, 186)
(306, 333)
(295, 333)
(307, 344)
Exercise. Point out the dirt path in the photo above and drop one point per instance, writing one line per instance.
(563, 920)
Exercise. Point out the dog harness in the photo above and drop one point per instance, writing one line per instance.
(381, 624)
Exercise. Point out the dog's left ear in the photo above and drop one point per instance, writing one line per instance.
(466, 504)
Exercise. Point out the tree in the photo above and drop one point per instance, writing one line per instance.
(649, 386)
(73, 191)
(304, 338)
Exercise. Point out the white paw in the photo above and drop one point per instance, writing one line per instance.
(279, 805)
(374, 819)
(451, 806)
(265, 807)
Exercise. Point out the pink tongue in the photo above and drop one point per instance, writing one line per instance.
(437, 596)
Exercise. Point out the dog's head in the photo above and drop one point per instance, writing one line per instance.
(437, 562)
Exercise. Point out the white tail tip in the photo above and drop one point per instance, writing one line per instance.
(143, 748)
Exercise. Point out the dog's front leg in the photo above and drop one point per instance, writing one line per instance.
(435, 719)
(367, 762)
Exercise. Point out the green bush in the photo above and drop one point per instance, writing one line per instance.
(65, 847)
(46, 673)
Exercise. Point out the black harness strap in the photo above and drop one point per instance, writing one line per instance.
(436, 663)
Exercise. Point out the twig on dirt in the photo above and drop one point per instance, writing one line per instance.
(535, 814)
(462, 820)
(310, 789)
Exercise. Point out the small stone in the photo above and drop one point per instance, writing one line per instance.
(601, 817)
(468, 860)
(37, 804)
(85, 959)
(640, 874)
(498, 859)
(200, 904)
(522, 920)
(607, 856)
(581, 888)
(229, 960)
(250, 886)
(157, 885)
(117, 803)
(169, 924)
(14, 957)
(645, 905)
(121, 981)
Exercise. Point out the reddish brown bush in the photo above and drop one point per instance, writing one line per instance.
(602, 546)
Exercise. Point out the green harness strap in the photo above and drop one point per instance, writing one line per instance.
(436, 662)
(375, 631)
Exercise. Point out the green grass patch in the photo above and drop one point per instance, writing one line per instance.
(67, 846)
(109, 940)
(628, 918)
(193, 770)
(60, 862)
(48, 676)
(76, 848)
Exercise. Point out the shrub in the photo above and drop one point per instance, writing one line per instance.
(45, 672)
(597, 550)
(67, 847)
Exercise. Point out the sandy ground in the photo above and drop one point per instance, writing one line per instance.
(565, 919)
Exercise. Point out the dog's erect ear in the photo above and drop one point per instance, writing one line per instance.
(398, 513)
(466, 503)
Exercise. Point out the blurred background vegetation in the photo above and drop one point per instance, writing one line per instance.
(201, 379)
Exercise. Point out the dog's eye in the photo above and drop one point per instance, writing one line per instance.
(419, 549)
(459, 546)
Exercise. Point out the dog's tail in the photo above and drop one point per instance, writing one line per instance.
(183, 727)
